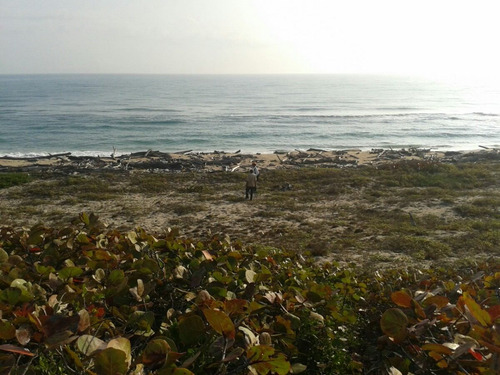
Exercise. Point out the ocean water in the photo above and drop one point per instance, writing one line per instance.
(92, 114)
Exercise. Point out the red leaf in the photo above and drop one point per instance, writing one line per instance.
(401, 298)
(16, 349)
(494, 312)
(476, 355)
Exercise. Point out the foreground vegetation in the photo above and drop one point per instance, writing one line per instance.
(88, 300)
(375, 271)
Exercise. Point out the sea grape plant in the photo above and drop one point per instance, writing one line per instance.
(93, 300)
(130, 303)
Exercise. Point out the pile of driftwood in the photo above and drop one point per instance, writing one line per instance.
(188, 160)
(148, 160)
(316, 157)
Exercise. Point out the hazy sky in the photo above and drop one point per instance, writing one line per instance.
(242, 36)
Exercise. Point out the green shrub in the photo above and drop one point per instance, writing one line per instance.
(14, 179)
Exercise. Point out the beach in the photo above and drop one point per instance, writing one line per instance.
(345, 206)
(156, 161)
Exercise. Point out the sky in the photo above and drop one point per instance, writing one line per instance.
(438, 37)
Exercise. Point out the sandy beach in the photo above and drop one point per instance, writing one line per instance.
(312, 200)
(216, 161)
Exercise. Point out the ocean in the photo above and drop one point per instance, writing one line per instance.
(96, 114)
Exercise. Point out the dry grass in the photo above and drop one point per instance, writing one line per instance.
(390, 216)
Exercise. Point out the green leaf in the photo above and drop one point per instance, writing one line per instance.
(298, 368)
(191, 329)
(11, 296)
(7, 331)
(44, 270)
(142, 320)
(220, 322)
(393, 323)
(263, 361)
(3, 256)
(116, 277)
(155, 352)
(110, 361)
(36, 236)
(123, 344)
(68, 272)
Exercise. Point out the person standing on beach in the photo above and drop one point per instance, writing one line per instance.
(255, 170)
(251, 185)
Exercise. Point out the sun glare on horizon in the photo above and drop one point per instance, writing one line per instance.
(446, 39)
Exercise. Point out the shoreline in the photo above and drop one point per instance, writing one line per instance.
(216, 161)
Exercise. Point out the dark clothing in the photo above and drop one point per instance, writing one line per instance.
(251, 186)
(249, 192)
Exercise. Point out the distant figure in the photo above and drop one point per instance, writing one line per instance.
(255, 170)
(251, 185)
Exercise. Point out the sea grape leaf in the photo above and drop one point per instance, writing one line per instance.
(143, 320)
(74, 357)
(235, 353)
(25, 288)
(401, 298)
(68, 272)
(60, 338)
(44, 270)
(191, 329)
(88, 344)
(259, 353)
(263, 361)
(110, 361)
(438, 348)
(11, 296)
(7, 363)
(23, 335)
(84, 322)
(84, 218)
(250, 338)
(494, 312)
(250, 276)
(220, 322)
(477, 312)
(7, 330)
(393, 323)
(123, 344)
(99, 275)
(116, 277)
(298, 368)
(60, 323)
(3, 256)
(82, 239)
(36, 236)
(155, 352)
(235, 306)
(16, 350)
(439, 301)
